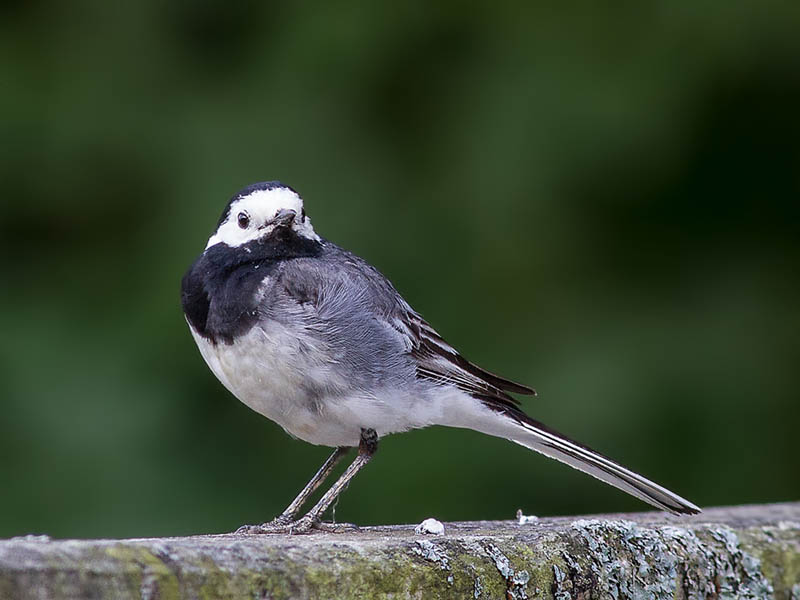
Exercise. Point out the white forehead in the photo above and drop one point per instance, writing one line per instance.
(260, 206)
(264, 204)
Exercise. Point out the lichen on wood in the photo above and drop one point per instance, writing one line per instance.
(742, 552)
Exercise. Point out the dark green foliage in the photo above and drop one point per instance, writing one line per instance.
(604, 205)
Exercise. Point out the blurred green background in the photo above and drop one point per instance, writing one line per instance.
(601, 202)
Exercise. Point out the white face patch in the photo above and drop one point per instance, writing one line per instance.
(258, 209)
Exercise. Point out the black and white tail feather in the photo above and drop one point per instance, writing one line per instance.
(441, 363)
(544, 440)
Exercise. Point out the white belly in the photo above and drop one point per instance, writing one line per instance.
(272, 370)
(280, 375)
(294, 382)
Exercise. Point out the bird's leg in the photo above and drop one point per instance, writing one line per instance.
(290, 513)
(312, 519)
(366, 449)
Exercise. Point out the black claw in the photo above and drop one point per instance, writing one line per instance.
(369, 441)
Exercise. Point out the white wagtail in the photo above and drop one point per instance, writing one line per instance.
(314, 338)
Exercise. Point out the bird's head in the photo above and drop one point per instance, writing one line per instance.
(261, 211)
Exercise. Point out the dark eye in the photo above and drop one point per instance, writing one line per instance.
(302, 215)
(244, 220)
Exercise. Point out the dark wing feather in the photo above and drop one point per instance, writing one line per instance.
(439, 362)
(436, 343)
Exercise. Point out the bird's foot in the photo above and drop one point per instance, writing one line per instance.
(335, 527)
(278, 525)
(302, 525)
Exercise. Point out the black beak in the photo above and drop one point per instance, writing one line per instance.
(284, 218)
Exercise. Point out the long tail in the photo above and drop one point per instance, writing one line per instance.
(520, 428)
(539, 437)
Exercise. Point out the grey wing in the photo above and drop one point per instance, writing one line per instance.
(378, 331)
(340, 305)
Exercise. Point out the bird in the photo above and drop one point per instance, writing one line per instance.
(316, 339)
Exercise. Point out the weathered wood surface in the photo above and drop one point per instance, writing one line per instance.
(740, 552)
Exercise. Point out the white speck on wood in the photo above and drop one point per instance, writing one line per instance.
(525, 519)
(430, 526)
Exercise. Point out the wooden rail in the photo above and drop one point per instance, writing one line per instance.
(737, 552)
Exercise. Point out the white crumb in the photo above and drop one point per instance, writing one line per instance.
(430, 526)
(525, 519)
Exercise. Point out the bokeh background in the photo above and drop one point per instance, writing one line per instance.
(601, 202)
